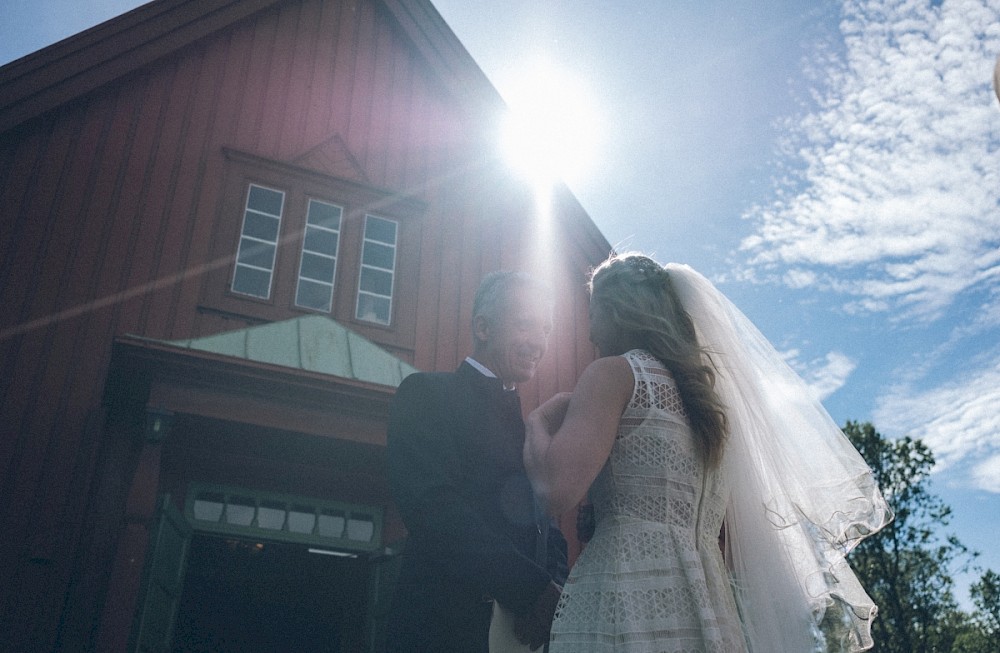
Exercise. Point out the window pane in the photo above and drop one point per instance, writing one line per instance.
(301, 519)
(318, 268)
(252, 282)
(271, 515)
(381, 230)
(324, 215)
(381, 256)
(260, 226)
(381, 305)
(256, 253)
(208, 506)
(373, 309)
(378, 282)
(316, 296)
(360, 528)
(320, 240)
(331, 523)
(240, 510)
(265, 200)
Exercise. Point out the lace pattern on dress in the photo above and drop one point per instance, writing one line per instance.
(652, 579)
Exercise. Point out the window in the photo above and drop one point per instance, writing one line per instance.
(297, 240)
(318, 264)
(258, 242)
(378, 266)
(288, 518)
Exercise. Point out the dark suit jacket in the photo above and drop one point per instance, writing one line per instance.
(457, 476)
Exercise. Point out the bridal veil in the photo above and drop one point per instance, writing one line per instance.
(802, 495)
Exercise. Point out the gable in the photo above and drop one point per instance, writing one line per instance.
(333, 157)
(372, 105)
(87, 61)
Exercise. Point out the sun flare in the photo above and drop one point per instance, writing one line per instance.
(552, 127)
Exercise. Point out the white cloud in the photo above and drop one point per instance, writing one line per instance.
(824, 376)
(962, 346)
(959, 420)
(987, 474)
(895, 201)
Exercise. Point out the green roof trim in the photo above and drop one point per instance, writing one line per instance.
(314, 343)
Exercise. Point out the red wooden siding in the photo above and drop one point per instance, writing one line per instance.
(111, 204)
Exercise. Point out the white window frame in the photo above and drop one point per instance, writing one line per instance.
(367, 294)
(245, 239)
(307, 252)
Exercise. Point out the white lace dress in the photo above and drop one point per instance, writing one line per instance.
(652, 579)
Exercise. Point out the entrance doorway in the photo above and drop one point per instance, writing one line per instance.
(240, 595)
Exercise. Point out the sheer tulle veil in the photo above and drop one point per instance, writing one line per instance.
(801, 495)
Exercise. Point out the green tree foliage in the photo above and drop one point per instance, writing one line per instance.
(907, 567)
(981, 634)
(986, 597)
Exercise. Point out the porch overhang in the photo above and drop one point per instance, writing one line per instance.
(309, 375)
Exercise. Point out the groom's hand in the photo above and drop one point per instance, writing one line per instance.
(533, 628)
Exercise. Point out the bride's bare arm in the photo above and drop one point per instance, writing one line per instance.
(563, 456)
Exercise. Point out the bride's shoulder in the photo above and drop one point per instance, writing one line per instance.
(609, 370)
(610, 363)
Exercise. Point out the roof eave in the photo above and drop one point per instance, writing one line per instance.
(167, 360)
(82, 63)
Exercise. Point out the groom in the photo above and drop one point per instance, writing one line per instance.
(456, 473)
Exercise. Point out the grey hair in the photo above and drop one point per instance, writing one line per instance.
(494, 292)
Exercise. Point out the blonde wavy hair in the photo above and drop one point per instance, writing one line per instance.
(637, 296)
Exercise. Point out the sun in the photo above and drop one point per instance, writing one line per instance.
(552, 129)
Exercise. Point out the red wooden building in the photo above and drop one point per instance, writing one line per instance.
(228, 229)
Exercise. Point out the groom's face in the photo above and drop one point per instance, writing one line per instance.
(515, 341)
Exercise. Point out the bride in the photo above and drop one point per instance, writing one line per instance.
(725, 496)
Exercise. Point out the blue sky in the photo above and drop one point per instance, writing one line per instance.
(834, 166)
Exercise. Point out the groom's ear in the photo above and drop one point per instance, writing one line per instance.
(481, 329)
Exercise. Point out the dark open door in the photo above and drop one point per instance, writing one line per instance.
(164, 579)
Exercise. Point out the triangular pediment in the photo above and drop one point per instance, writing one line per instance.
(332, 157)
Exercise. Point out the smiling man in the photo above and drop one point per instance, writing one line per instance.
(476, 535)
